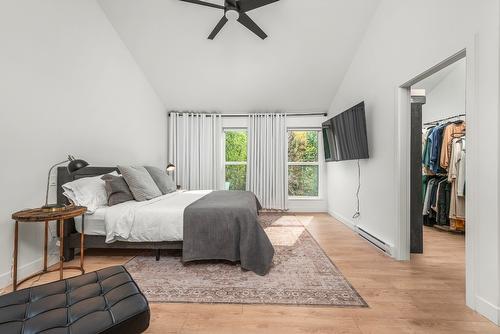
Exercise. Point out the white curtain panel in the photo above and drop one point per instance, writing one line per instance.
(267, 172)
(194, 147)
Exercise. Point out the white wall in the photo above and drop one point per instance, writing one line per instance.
(404, 39)
(68, 85)
(447, 97)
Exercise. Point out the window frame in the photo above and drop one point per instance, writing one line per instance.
(232, 163)
(309, 163)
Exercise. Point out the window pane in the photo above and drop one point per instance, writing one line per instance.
(303, 146)
(303, 180)
(236, 177)
(236, 146)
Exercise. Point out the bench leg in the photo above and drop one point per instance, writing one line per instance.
(157, 254)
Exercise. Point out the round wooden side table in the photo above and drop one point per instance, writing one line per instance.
(39, 216)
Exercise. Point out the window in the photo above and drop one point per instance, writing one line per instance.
(235, 162)
(303, 163)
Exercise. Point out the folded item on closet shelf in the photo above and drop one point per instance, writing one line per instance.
(457, 225)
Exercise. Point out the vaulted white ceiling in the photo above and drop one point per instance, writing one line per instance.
(297, 68)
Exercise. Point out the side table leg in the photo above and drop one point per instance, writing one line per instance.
(45, 247)
(82, 239)
(16, 242)
(61, 248)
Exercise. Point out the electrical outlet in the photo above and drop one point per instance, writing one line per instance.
(58, 243)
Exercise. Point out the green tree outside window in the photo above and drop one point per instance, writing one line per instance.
(303, 166)
(236, 158)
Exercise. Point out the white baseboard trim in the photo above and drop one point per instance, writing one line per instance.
(387, 249)
(487, 309)
(26, 270)
(347, 222)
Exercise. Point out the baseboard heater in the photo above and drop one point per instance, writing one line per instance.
(374, 241)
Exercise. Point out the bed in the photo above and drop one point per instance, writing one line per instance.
(205, 225)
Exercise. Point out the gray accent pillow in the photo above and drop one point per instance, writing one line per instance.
(117, 189)
(141, 184)
(164, 181)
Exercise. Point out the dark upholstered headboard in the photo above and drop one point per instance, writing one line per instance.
(63, 176)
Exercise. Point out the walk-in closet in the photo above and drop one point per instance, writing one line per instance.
(439, 154)
(443, 173)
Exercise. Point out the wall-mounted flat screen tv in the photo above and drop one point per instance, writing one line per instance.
(344, 136)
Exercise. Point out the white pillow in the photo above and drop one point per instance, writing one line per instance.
(88, 191)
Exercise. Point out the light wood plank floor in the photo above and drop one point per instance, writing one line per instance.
(425, 295)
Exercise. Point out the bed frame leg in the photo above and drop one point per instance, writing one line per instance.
(157, 254)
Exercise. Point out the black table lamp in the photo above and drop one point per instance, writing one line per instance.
(170, 168)
(73, 166)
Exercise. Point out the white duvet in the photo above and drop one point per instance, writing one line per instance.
(159, 219)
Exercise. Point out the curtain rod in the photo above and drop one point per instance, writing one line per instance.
(444, 119)
(246, 115)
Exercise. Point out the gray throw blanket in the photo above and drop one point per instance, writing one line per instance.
(223, 225)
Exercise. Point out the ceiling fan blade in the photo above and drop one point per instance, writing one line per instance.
(203, 3)
(247, 5)
(218, 27)
(231, 3)
(251, 25)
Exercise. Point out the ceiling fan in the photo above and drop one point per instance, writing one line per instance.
(236, 10)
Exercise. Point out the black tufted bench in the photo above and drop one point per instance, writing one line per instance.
(105, 301)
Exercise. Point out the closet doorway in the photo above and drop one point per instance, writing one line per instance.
(438, 154)
(416, 121)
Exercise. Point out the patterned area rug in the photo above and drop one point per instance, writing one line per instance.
(302, 274)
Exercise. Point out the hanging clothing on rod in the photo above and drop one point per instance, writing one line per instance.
(443, 119)
(456, 177)
(443, 173)
(452, 131)
(437, 142)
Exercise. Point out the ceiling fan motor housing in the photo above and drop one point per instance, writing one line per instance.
(232, 14)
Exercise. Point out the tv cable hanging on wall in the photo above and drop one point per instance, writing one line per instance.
(358, 213)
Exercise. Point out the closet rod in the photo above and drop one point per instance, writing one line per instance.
(246, 115)
(444, 119)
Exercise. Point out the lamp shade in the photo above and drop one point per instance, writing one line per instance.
(170, 167)
(76, 164)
